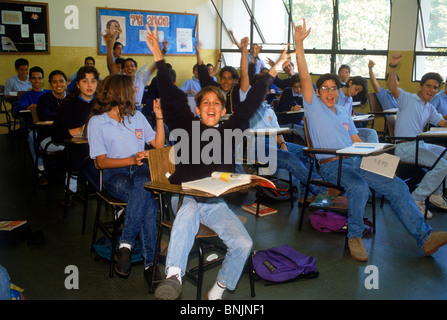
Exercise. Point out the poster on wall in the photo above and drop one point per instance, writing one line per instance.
(180, 30)
(24, 28)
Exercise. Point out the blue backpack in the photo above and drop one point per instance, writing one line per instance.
(281, 264)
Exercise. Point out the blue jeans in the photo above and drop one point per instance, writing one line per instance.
(215, 214)
(5, 291)
(294, 161)
(127, 184)
(357, 182)
(427, 155)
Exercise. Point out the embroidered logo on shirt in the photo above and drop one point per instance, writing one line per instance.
(139, 133)
(346, 125)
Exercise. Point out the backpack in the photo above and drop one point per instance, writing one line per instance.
(281, 264)
(281, 192)
(328, 221)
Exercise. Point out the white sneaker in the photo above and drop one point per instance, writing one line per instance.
(438, 200)
(421, 206)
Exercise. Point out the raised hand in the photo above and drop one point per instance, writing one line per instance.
(395, 58)
(301, 32)
(152, 42)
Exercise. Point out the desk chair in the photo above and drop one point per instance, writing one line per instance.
(9, 119)
(110, 228)
(51, 158)
(340, 207)
(377, 109)
(159, 166)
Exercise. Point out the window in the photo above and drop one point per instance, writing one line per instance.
(343, 31)
(430, 53)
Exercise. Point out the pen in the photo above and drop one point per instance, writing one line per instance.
(364, 147)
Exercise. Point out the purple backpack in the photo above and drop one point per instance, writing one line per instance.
(282, 264)
(328, 221)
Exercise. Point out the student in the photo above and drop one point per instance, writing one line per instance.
(28, 99)
(118, 134)
(439, 102)
(50, 102)
(71, 118)
(88, 61)
(415, 111)
(214, 212)
(192, 86)
(18, 84)
(330, 126)
(234, 87)
(291, 100)
(384, 96)
(344, 72)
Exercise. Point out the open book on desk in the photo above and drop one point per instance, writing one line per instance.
(435, 132)
(220, 182)
(363, 148)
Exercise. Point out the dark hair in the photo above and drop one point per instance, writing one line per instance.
(35, 69)
(294, 79)
(56, 72)
(21, 62)
(120, 61)
(388, 75)
(328, 76)
(431, 76)
(359, 81)
(115, 90)
(130, 59)
(116, 44)
(344, 66)
(84, 70)
(220, 95)
(173, 74)
(90, 58)
(232, 70)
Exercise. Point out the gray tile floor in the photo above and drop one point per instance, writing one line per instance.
(401, 268)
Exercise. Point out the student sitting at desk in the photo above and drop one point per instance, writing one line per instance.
(213, 212)
(415, 110)
(291, 100)
(117, 135)
(330, 126)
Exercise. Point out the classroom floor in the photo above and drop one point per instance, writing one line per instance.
(402, 271)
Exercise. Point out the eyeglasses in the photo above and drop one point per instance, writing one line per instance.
(327, 89)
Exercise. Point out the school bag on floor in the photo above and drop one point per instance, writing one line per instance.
(281, 264)
(328, 221)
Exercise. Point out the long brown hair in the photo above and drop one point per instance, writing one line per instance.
(115, 90)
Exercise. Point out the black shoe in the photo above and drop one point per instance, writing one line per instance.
(123, 262)
(148, 276)
(168, 289)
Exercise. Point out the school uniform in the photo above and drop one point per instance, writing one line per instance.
(334, 130)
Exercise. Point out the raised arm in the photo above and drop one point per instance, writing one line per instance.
(375, 84)
(110, 39)
(301, 33)
(392, 84)
(245, 80)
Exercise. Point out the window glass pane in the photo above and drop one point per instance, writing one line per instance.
(364, 27)
(272, 19)
(236, 18)
(434, 17)
(318, 14)
(424, 64)
(359, 64)
(317, 63)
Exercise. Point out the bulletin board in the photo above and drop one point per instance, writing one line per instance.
(24, 28)
(179, 29)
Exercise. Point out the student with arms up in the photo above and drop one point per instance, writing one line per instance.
(213, 212)
(415, 110)
(330, 126)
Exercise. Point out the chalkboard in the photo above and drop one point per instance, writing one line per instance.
(24, 28)
(179, 29)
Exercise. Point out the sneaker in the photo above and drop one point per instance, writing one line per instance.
(358, 251)
(169, 289)
(438, 200)
(123, 262)
(436, 240)
(421, 206)
(148, 276)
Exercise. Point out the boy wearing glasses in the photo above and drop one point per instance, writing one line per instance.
(330, 126)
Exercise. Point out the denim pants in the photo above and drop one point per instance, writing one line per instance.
(5, 291)
(215, 214)
(427, 155)
(357, 182)
(127, 184)
(294, 161)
